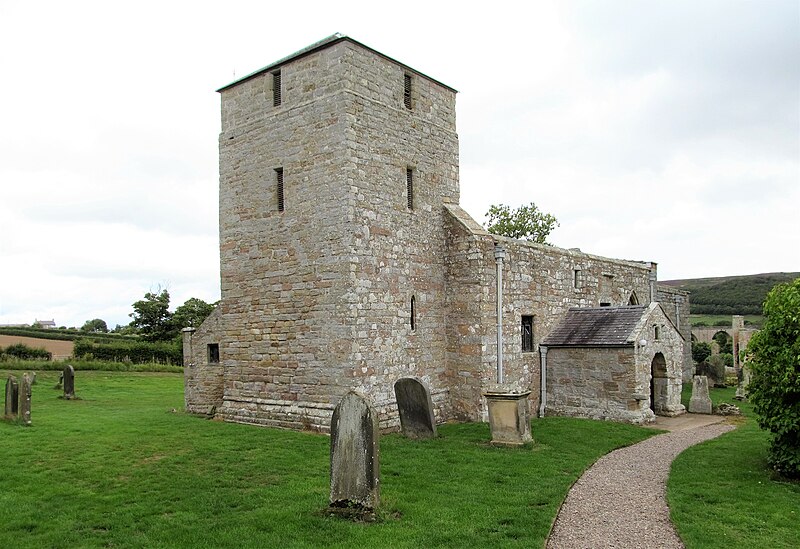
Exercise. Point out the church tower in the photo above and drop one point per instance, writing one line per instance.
(335, 165)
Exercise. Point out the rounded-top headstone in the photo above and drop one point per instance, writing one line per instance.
(700, 403)
(12, 397)
(415, 406)
(355, 454)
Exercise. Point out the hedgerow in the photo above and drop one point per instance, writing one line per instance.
(164, 352)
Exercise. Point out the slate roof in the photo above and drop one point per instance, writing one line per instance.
(324, 43)
(596, 327)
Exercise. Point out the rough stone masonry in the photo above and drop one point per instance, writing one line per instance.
(346, 262)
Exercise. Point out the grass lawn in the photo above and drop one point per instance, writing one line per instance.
(119, 468)
(722, 494)
(724, 320)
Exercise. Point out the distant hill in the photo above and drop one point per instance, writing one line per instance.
(734, 295)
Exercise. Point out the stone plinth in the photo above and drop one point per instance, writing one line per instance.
(700, 402)
(509, 418)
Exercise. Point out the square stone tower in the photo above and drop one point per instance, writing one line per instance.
(335, 165)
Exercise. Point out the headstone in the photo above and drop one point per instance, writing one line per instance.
(355, 453)
(12, 397)
(69, 382)
(25, 400)
(700, 403)
(416, 409)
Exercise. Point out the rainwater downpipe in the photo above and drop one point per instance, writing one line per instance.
(499, 256)
(543, 396)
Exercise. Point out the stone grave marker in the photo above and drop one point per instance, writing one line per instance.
(25, 400)
(416, 409)
(700, 403)
(355, 454)
(12, 397)
(69, 382)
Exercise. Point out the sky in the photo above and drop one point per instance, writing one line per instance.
(664, 131)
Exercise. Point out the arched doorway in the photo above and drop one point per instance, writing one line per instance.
(658, 383)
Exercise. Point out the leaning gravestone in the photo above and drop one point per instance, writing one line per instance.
(700, 403)
(12, 397)
(69, 382)
(25, 400)
(416, 409)
(355, 453)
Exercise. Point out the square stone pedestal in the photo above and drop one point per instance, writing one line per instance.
(509, 418)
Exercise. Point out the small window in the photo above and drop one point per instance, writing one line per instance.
(413, 314)
(576, 278)
(410, 188)
(279, 188)
(407, 91)
(656, 332)
(213, 353)
(276, 88)
(605, 304)
(527, 334)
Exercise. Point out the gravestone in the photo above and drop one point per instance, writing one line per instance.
(25, 400)
(416, 409)
(355, 453)
(12, 397)
(69, 382)
(700, 403)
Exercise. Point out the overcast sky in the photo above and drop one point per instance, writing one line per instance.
(665, 131)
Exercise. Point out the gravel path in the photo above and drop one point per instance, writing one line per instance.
(620, 501)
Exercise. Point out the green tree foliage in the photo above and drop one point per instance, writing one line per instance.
(700, 351)
(526, 222)
(775, 385)
(192, 313)
(724, 341)
(152, 318)
(96, 325)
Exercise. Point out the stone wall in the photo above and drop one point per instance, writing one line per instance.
(538, 281)
(675, 303)
(203, 381)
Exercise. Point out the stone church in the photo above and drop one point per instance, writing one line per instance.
(346, 264)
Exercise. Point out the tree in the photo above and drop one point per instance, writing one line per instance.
(700, 351)
(152, 317)
(774, 387)
(192, 313)
(96, 325)
(526, 222)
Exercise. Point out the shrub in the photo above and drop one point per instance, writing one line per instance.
(775, 384)
(139, 352)
(714, 369)
(700, 351)
(23, 352)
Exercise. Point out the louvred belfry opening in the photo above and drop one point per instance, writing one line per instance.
(407, 91)
(276, 88)
(410, 188)
(279, 192)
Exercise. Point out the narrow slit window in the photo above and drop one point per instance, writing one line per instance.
(656, 332)
(213, 353)
(413, 314)
(407, 91)
(576, 278)
(527, 334)
(276, 88)
(410, 188)
(279, 187)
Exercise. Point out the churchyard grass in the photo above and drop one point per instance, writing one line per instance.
(119, 468)
(722, 494)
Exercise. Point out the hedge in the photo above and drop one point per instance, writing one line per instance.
(139, 352)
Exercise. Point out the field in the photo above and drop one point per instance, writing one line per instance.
(123, 467)
(60, 349)
(751, 321)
